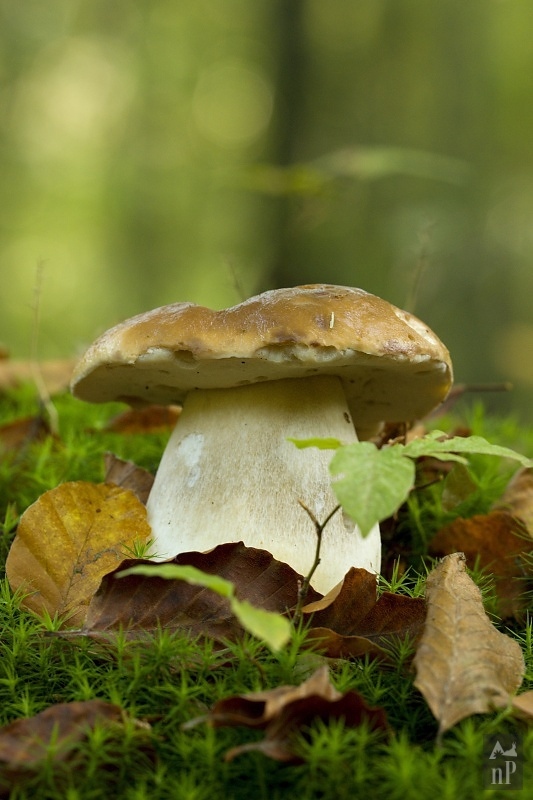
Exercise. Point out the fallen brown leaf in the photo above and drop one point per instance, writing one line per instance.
(128, 475)
(27, 743)
(285, 711)
(151, 419)
(67, 540)
(522, 704)
(463, 665)
(496, 542)
(142, 604)
(354, 622)
(518, 498)
(18, 434)
(56, 374)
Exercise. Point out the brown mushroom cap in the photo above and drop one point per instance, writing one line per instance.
(392, 367)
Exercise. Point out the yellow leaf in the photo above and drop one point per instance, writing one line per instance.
(68, 540)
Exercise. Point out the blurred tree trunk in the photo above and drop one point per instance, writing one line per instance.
(288, 123)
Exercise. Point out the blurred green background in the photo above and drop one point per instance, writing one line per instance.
(205, 150)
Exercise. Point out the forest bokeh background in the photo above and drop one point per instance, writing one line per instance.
(205, 150)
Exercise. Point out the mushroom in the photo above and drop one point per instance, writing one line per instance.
(308, 361)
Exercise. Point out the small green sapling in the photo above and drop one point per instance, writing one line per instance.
(371, 483)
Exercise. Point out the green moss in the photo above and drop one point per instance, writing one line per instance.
(171, 679)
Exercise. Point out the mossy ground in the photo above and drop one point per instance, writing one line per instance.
(172, 679)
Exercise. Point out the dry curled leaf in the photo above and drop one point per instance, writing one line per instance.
(55, 374)
(67, 540)
(285, 711)
(142, 604)
(352, 621)
(26, 744)
(496, 542)
(522, 705)
(18, 434)
(464, 665)
(151, 419)
(129, 476)
(518, 498)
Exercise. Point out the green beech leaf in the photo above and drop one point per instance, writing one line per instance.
(458, 486)
(438, 447)
(321, 444)
(371, 484)
(268, 626)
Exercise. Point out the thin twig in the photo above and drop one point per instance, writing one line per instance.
(42, 390)
(421, 266)
(236, 281)
(304, 587)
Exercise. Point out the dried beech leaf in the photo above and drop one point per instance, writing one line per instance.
(19, 433)
(496, 542)
(67, 540)
(128, 475)
(355, 622)
(56, 374)
(272, 628)
(287, 710)
(333, 610)
(27, 743)
(463, 665)
(334, 645)
(142, 604)
(518, 498)
(522, 704)
(151, 419)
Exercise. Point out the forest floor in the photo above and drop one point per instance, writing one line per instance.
(91, 715)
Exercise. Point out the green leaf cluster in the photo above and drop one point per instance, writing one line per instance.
(372, 483)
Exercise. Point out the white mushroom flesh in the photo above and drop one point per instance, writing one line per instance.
(229, 474)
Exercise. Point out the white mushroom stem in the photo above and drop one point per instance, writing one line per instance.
(229, 473)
